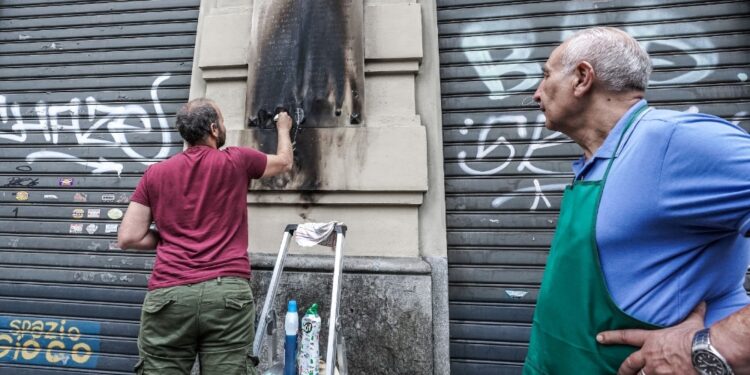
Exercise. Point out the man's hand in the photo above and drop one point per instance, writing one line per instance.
(283, 122)
(662, 352)
(284, 159)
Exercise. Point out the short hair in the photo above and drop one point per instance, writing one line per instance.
(194, 119)
(620, 63)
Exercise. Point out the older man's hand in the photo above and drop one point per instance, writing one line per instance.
(662, 352)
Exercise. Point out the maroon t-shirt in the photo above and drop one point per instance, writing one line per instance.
(198, 202)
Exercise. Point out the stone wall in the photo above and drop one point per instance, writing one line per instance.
(382, 177)
(385, 310)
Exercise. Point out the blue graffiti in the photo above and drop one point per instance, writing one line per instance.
(49, 342)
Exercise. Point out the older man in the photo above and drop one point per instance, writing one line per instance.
(199, 299)
(654, 224)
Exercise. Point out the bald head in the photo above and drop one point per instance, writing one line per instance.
(619, 62)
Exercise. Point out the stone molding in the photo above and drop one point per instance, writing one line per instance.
(322, 263)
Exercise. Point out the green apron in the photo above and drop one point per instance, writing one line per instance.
(574, 303)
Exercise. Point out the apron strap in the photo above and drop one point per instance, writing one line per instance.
(634, 118)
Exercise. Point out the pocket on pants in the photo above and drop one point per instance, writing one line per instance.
(138, 368)
(155, 304)
(237, 301)
(252, 362)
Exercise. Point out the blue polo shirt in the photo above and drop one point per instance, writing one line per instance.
(673, 216)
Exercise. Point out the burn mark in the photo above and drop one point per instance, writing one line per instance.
(355, 118)
(305, 173)
(309, 64)
(305, 61)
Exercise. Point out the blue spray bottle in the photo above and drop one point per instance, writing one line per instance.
(291, 327)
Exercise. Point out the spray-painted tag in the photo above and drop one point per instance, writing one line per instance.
(516, 293)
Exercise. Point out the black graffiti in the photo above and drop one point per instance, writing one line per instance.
(22, 182)
(23, 168)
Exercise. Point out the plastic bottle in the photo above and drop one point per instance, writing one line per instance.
(276, 369)
(309, 350)
(291, 327)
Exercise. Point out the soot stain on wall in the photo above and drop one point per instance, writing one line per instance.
(305, 173)
(302, 66)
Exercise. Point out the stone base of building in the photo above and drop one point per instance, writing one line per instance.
(386, 308)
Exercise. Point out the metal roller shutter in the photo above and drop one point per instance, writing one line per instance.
(504, 172)
(88, 90)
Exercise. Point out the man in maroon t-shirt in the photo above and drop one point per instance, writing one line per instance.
(199, 299)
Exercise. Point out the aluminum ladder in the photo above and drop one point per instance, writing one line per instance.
(336, 350)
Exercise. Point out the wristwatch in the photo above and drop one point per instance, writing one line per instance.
(706, 359)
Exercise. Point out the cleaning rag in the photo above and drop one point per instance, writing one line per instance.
(311, 234)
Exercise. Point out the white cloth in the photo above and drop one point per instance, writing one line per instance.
(311, 234)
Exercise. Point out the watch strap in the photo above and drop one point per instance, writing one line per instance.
(702, 343)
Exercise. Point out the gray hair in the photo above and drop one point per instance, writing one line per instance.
(620, 63)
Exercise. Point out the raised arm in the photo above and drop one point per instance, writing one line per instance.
(135, 232)
(284, 158)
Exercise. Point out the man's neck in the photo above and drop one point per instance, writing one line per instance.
(208, 142)
(601, 116)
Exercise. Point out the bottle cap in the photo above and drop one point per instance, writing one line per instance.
(291, 306)
(313, 310)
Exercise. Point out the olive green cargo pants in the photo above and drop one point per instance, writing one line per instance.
(214, 319)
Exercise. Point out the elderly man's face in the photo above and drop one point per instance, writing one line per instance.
(555, 92)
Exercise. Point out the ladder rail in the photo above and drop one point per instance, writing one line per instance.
(263, 322)
(336, 348)
(333, 320)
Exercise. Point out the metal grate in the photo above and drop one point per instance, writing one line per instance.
(504, 172)
(88, 90)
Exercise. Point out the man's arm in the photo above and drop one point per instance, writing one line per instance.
(135, 232)
(731, 338)
(284, 158)
(669, 350)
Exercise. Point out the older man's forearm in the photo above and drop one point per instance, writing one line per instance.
(731, 337)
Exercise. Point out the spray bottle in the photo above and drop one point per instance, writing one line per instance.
(309, 351)
(291, 326)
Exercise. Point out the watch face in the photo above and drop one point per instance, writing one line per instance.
(708, 364)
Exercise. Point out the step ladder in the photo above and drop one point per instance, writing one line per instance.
(336, 350)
